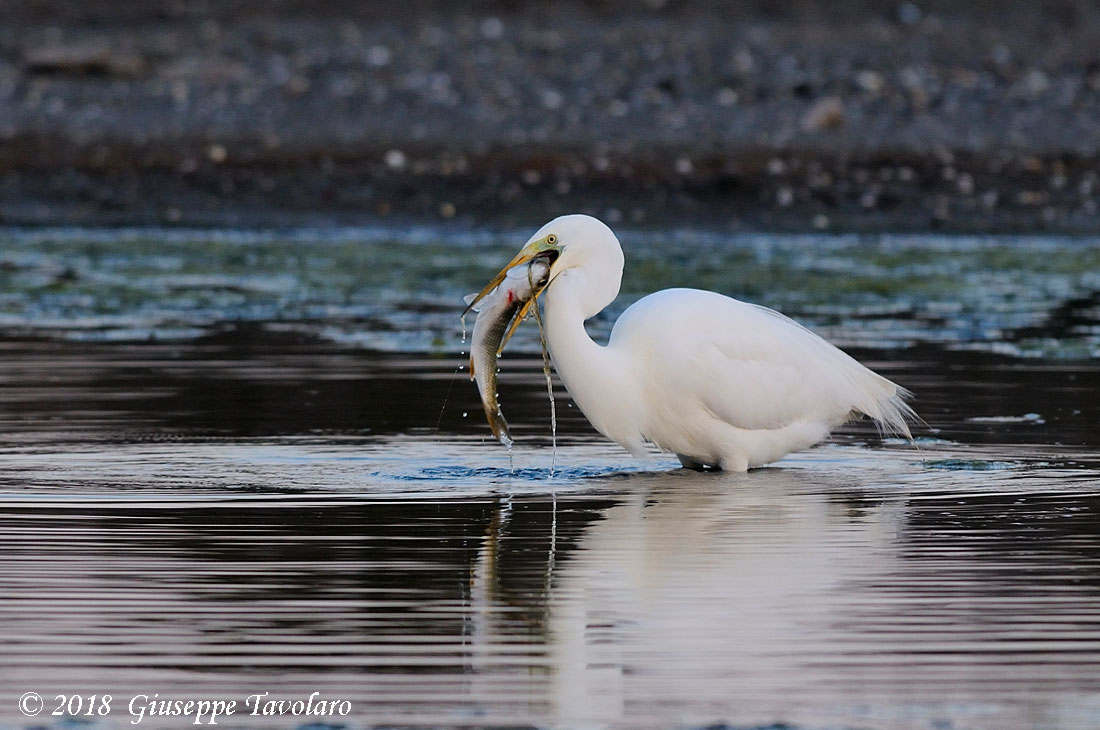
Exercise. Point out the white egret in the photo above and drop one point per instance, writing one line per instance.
(719, 382)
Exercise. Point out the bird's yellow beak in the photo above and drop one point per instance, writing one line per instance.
(545, 246)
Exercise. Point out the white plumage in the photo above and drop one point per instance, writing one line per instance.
(718, 382)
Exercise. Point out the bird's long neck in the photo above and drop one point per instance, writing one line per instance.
(597, 378)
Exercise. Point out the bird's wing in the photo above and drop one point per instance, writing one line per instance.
(752, 367)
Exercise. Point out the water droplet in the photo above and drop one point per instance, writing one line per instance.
(465, 413)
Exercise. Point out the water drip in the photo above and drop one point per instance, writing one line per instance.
(549, 392)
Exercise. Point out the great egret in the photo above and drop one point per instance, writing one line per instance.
(719, 382)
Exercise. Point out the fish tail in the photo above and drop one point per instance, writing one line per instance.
(498, 425)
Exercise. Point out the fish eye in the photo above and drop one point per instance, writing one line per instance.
(551, 239)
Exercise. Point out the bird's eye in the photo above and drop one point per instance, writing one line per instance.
(551, 239)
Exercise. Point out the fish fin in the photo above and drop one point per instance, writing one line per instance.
(469, 299)
(520, 316)
(472, 375)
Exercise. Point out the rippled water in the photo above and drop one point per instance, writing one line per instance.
(253, 501)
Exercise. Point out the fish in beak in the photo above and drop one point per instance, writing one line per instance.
(546, 246)
(500, 307)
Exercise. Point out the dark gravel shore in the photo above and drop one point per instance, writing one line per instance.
(785, 115)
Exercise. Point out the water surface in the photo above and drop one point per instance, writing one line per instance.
(258, 497)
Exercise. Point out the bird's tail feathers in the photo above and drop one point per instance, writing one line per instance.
(870, 394)
(888, 408)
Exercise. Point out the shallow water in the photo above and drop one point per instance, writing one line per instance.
(396, 290)
(259, 507)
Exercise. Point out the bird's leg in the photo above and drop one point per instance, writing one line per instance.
(689, 463)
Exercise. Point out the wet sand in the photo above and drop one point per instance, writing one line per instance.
(792, 116)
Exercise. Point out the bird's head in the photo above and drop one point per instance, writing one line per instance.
(577, 246)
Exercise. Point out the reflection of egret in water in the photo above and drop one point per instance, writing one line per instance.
(499, 605)
(795, 594)
(706, 589)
